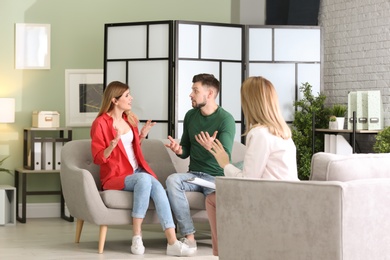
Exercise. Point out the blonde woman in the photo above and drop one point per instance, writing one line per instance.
(270, 154)
(116, 147)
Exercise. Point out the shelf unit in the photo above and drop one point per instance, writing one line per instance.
(40, 136)
(33, 140)
(352, 133)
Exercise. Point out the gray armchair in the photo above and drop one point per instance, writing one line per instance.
(87, 202)
(341, 213)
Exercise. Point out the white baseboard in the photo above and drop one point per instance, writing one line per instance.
(43, 210)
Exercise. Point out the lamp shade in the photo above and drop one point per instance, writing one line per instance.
(7, 110)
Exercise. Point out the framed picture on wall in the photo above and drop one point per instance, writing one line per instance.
(83, 96)
(32, 46)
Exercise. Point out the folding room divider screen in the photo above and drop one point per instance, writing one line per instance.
(158, 60)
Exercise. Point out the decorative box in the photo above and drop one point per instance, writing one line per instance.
(45, 119)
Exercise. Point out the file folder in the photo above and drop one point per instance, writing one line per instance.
(37, 156)
(57, 160)
(352, 106)
(375, 110)
(47, 156)
(362, 110)
(337, 144)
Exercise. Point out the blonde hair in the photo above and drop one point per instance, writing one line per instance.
(115, 90)
(260, 106)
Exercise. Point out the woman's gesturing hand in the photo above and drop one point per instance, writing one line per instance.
(219, 153)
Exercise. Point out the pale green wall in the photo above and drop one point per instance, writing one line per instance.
(77, 34)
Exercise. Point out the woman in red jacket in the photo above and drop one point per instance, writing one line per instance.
(116, 147)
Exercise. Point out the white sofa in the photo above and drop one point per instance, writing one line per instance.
(341, 213)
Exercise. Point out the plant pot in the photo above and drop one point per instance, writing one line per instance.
(333, 125)
(340, 123)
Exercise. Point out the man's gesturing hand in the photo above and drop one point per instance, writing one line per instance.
(205, 140)
(174, 146)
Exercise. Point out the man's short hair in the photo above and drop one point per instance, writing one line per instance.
(208, 80)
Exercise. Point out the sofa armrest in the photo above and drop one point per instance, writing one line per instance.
(302, 220)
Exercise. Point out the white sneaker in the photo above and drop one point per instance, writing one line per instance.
(137, 246)
(191, 245)
(178, 249)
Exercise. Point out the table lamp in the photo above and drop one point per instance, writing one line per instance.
(7, 110)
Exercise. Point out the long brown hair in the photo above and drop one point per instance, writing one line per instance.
(115, 90)
(260, 106)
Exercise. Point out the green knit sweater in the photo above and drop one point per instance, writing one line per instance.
(194, 122)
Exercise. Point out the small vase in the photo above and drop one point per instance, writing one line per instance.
(333, 125)
(340, 123)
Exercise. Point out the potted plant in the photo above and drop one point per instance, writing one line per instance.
(3, 169)
(333, 125)
(382, 143)
(339, 111)
(302, 131)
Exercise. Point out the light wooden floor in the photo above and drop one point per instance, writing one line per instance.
(53, 238)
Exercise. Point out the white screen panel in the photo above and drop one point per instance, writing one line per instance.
(188, 46)
(116, 71)
(219, 42)
(309, 73)
(297, 44)
(187, 70)
(230, 88)
(126, 42)
(237, 137)
(282, 77)
(179, 130)
(150, 93)
(159, 41)
(158, 131)
(260, 44)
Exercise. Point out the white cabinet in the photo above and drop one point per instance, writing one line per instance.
(7, 205)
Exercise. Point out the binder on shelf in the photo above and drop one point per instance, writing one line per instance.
(352, 106)
(336, 144)
(329, 143)
(369, 110)
(37, 164)
(362, 110)
(342, 146)
(47, 156)
(375, 110)
(57, 160)
(42, 147)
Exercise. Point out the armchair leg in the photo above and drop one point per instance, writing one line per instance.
(102, 238)
(79, 228)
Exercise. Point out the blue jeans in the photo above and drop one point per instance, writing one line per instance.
(176, 188)
(144, 186)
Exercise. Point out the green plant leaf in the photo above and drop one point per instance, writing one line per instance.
(382, 143)
(3, 169)
(302, 127)
(338, 110)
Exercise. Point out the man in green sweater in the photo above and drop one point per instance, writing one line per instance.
(202, 124)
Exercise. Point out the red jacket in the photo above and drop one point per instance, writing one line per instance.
(115, 168)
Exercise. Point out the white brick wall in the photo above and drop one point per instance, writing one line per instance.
(356, 48)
